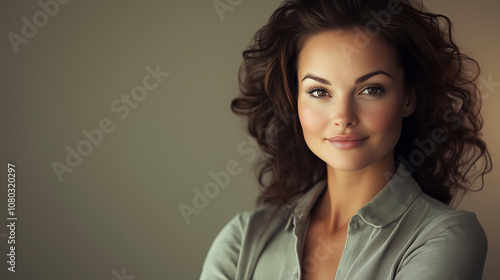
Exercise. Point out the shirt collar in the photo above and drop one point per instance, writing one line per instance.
(386, 207)
(301, 209)
(392, 201)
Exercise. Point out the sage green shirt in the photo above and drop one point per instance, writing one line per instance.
(401, 233)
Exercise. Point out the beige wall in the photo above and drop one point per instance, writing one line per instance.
(119, 206)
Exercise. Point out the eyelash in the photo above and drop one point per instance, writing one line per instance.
(313, 89)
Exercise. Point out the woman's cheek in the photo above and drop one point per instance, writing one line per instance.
(386, 120)
(313, 121)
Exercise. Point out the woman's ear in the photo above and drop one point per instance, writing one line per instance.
(410, 102)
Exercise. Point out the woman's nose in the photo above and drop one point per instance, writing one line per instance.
(344, 114)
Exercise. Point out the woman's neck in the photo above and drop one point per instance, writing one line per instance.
(347, 192)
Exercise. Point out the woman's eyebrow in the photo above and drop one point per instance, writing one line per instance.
(358, 80)
(317, 79)
(369, 75)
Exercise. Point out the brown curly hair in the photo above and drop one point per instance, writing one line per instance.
(444, 78)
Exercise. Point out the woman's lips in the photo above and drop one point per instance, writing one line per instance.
(347, 142)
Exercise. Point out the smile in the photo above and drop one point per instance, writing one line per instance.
(347, 142)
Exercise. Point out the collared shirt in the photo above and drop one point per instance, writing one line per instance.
(402, 233)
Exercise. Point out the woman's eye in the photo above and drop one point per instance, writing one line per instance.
(373, 91)
(318, 93)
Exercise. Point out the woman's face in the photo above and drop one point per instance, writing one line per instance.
(351, 99)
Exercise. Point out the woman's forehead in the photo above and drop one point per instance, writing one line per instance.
(346, 52)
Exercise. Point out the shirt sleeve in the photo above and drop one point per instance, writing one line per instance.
(222, 258)
(455, 251)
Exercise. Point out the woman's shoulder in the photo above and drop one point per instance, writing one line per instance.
(257, 219)
(405, 199)
(240, 242)
(442, 241)
(248, 226)
(435, 219)
(439, 213)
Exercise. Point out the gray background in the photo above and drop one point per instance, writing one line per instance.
(119, 208)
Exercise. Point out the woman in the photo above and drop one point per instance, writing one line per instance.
(368, 116)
